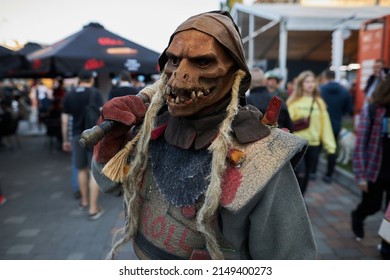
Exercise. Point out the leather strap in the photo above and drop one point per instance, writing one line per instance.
(152, 251)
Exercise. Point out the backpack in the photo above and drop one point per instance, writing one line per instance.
(92, 111)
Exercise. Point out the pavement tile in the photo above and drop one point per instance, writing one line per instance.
(330, 232)
(328, 257)
(15, 220)
(56, 195)
(20, 249)
(13, 196)
(76, 256)
(323, 247)
(28, 232)
(348, 253)
(335, 243)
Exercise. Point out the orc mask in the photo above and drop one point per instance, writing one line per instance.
(200, 73)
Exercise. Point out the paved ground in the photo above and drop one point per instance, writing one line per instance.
(41, 219)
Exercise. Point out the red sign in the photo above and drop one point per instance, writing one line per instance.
(371, 47)
(106, 41)
(92, 64)
(374, 43)
(371, 42)
(37, 64)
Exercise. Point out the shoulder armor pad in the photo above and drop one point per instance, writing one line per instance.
(263, 160)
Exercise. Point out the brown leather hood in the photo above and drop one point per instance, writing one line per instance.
(221, 26)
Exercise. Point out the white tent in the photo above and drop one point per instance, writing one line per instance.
(295, 32)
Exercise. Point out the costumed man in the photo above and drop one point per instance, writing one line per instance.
(203, 177)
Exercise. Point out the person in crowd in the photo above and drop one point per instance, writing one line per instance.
(44, 99)
(75, 181)
(339, 104)
(58, 89)
(273, 79)
(2, 113)
(140, 82)
(53, 122)
(260, 98)
(124, 87)
(373, 80)
(44, 108)
(371, 159)
(206, 168)
(306, 102)
(74, 105)
(9, 117)
(352, 93)
(3, 199)
(290, 87)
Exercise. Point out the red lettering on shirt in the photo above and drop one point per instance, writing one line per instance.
(167, 241)
(158, 227)
(182, 242)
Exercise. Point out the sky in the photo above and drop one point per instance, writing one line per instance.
(146, 22)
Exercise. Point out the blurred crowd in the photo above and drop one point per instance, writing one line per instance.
(315, 108)
(39, 102)
(318, 99)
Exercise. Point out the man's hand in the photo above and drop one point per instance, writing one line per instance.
(363, 186)
(66, 146)
(126, 111)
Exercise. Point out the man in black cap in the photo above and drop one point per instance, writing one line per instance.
(204, 177)
(261, 98)
(273, 79)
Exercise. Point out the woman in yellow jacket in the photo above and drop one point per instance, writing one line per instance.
(305, 101)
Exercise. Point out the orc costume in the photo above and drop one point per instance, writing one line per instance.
(260, 213)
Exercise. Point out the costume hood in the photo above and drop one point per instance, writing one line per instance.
(220, 26)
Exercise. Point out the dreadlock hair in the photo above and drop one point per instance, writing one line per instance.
(219, 149)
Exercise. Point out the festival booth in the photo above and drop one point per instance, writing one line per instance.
(96, 49)
(294, 37)
(93, 48)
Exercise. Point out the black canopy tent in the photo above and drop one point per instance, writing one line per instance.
(23, 69)
(5, 52)
(29, 47)
(10, 62)
(93, 48)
